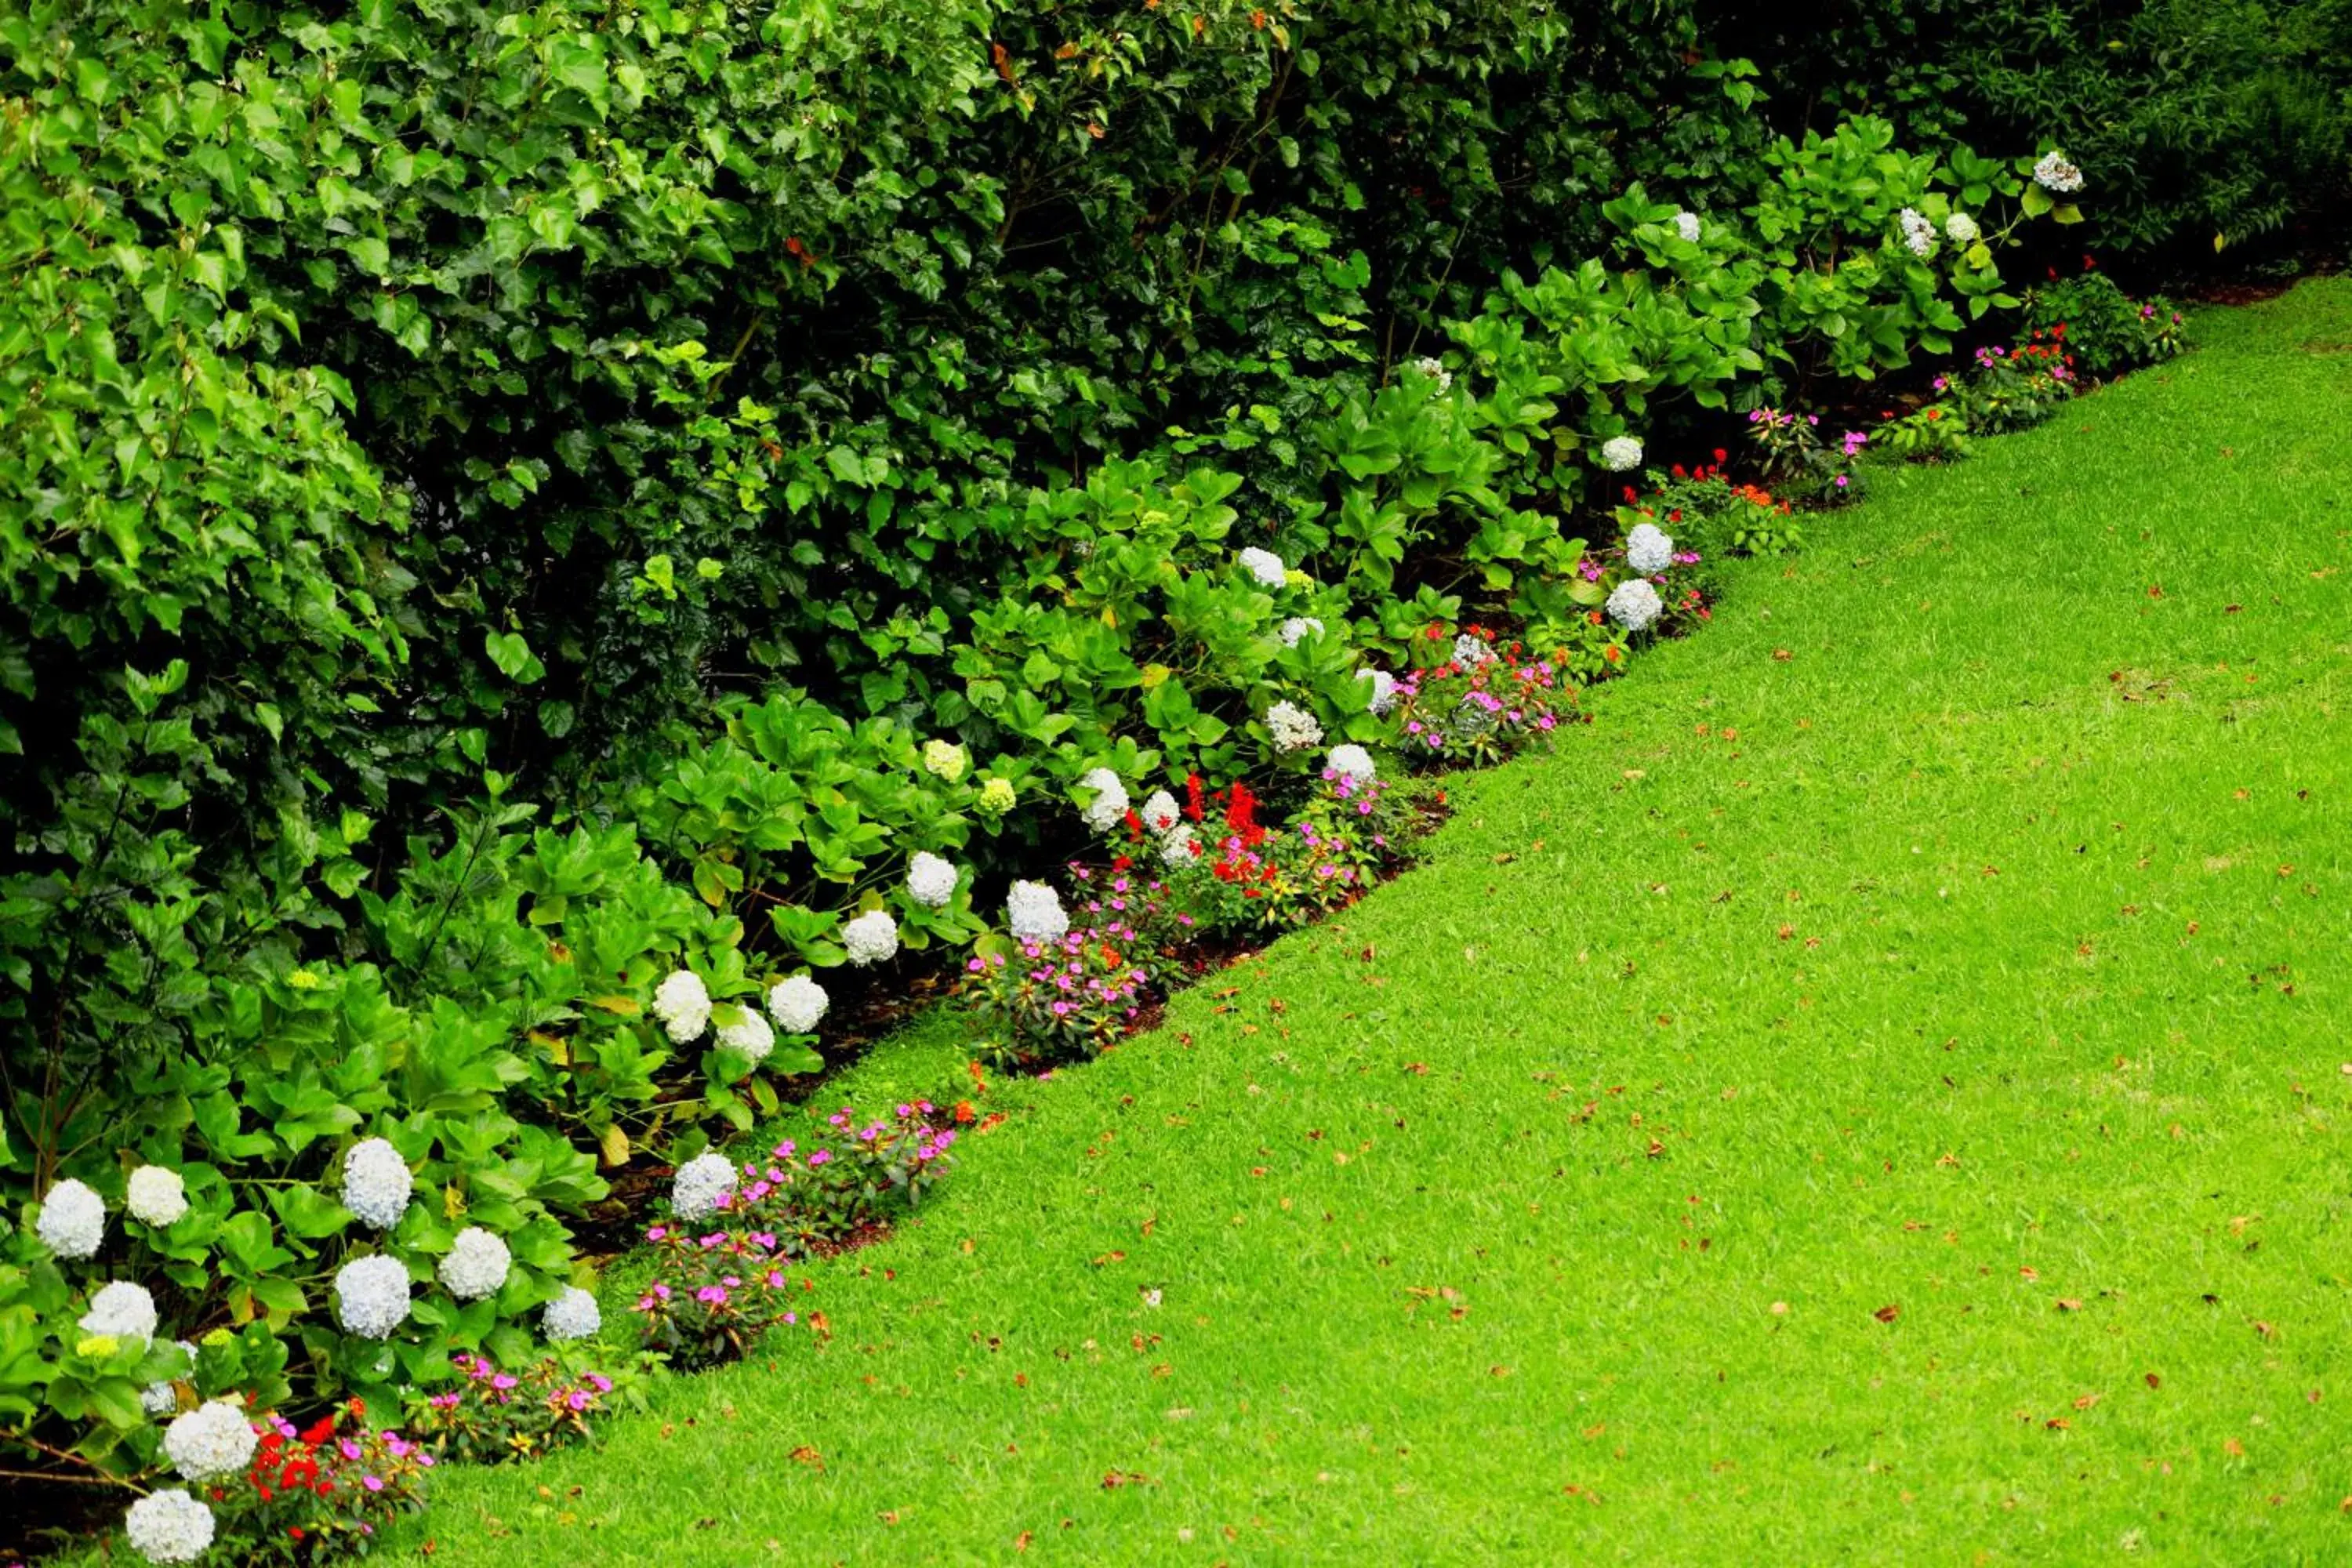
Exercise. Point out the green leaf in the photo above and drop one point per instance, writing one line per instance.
(513, 657)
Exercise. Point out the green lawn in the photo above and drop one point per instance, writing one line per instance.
(1880, 1092)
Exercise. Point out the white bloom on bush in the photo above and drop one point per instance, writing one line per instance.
(1470, 652)
(72, 1221)
(574, 1315)
(1103, 813)
(162, 1398)
(1294, 727)
(169, 1526)
(376, 1183)
(1159, 812)
(1035, 912)
(871, 938)
(1351, 761)
(1649, 550)
(476, 1265)
(683, 1005)
(1620, 453)
(796, 1003)
(1265, 566)
(945, 759)
(1435, 370)
(1686, 225)
(931, 880)
(699, 1183)
(214, 1439)
(1634, 603)
(371, 1296)
(123, 1309)
(1919, 234)
(1384, 689)
(1176, 850)
(1961, 229)
(749, 1035)
(2053, 172)
(157, 1195)
(1298, 629)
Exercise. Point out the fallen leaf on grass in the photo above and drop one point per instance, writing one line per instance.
(2069, 1304)
(804, 1455)
(1888, 1313)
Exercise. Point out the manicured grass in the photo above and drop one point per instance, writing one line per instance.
(1954, 934)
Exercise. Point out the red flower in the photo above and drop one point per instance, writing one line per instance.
(1629, 495)
(2089, 265)
(1721, 455)
(1192, 797)
(320, 1430)
(1678, 472)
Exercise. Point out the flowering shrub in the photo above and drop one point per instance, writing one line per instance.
(1048, 1000)
(1795, 457)
(2106, 330)
(494, 1414)
(1932, 433)
(1451, 715)
(2017, 387)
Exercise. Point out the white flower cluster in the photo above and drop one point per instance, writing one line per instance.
(1351, 761)
(699, 1183)
(2053, 172)
(376, 1183)
(476, 1265)
(930, 880)
(1686, 225)
(1649, 550)
(1035, 912)
(683, 1005)
(1110, 804)
(1384, 689)
(1634, 603)
(1265, 566)
(1470, 652)
(574, 1315)
(1620, 453)
(1159, 811)
(1298, 629)
(1435, 370)
(748, 1033)
(1961, 229)
(72, 1221)
(371, 1296)
(157, 1195)
(1176, 846)
(1294, 727)
(1919, 234)
(160, 1398)
(169, 1526)
(871, 938)
(212, 1439)
(123, 1309)
(796, 1003)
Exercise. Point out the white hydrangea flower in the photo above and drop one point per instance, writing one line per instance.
(162, 1398)
(72, 1221)
(1102, 813)
(699, 1183)
(1295, 729)
(1634, 603)
(1160, 813)
(214, 1439)
(1035, 912)
(1384, 689)
(930, 880)
(1649, 550)
(749, 1035)
(1961, 229)
(169, 1526)
(796, 1003)
(1919, 234)
(123, 1309)
(1620, 453)
(574, 1315)
(1686, 225)
(871, 938)
(945, 759)
(2053, 172)
(157, 1195)
(1350, 762)
(1176, 846)
(371, 1296)
(376, 1183)
(1298, 629)
(476, 1265)
(1435, 370)
(1470, 652)
(1265, 566)
(683, 1005)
